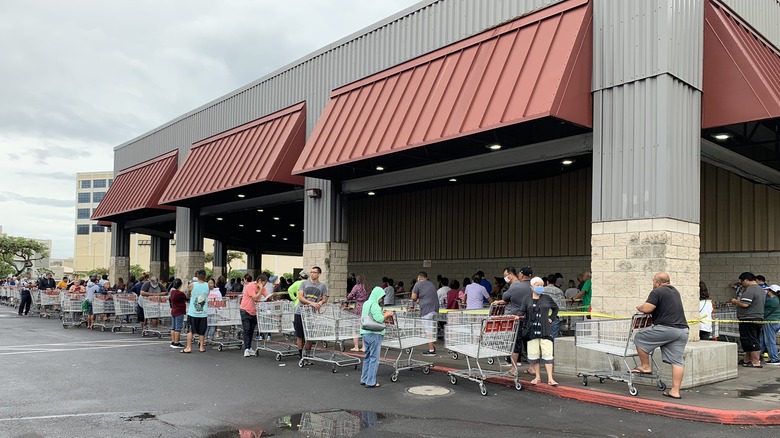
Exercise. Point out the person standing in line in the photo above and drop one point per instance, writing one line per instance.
(292, 291)
(359, 295)
(312, 293)
(215, 301)
(705, 313)
(25, 294)
(424, 292)
(390, 293)
(372, 340)
(540, 311)
(585, 293)
(178, 300)
(476, 294)
(198, 311)
(47, 282)
(750, 309)
(769, 333)
(92, 288)
(519, 290)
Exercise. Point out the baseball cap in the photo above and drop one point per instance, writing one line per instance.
(304, 275)
(775, 288)
(527, 271)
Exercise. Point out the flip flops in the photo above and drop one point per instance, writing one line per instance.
(668, 394)
(185, 352)
(373, 386)
(639, 371)
(750, 365)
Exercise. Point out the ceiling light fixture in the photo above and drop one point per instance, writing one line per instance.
(380, 168)
(273, 235)
(292, 225)
(453, 180)
(371, 193)
(567, 162)
(219, 218)
(257, 231)
(276, 218)
(494, 146)
(722, 136)
(241, 196)
(241, 225)
(259, 210)
(284, 238)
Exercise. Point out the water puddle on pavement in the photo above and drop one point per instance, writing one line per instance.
(770, 390)
(335, 424)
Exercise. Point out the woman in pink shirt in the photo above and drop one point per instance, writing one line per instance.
(254, 291)
(359, 295)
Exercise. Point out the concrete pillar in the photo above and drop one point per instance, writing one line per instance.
(189, 243)
(220, 259)
(159, 258)
(119, 261)
(331, 257)
(254, 263)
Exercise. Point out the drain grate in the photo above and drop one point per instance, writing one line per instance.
(429, 390)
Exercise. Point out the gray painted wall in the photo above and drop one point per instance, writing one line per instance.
(763, 15)
(427, 26)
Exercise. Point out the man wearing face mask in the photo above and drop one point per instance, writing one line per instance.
(540, 313)
(519, 290)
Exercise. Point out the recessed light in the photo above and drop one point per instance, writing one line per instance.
(257, 231)
(380, 168)
(371, 193)
(241, 196)
(453, 180)
(273, 235)
(219, 218)
(276, 218)
(241, 225)
(567, 162)
(494, 146)
(722, 136)
(292, 225)
(259, 210)
(284, 238)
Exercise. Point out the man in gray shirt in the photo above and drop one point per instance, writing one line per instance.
(424, 292)
(519, 290)
(750, 308)
(312, 293)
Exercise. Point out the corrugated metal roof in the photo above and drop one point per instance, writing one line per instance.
(138, 187)
(261, 150)
(737, 55)
(532, 67)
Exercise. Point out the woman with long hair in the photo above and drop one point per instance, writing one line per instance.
(359, 295)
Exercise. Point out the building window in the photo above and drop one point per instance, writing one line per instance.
(98, 196)
(86, 184)
(98, 228)
(84, 198)
(110, 182)
(82, 229)
(83, 213)
(99, 184)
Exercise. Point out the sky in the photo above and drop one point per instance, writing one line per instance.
(80, 77)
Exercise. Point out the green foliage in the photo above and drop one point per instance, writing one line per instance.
(99, 272)
(287, 275)
(172, 271)
(237, 274)
(138, 271)
(40, 272)
(208, 257)
(6, 270)
(18, 253)
(233, 255)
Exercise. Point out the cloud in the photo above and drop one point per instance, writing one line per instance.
(17, 198)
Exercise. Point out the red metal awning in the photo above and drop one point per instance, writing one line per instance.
(259, 151)
(741, 71)
(535, 66)
(138, 188)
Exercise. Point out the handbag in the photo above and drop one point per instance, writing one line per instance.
(367, 322)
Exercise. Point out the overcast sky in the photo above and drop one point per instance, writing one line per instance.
(79, 77)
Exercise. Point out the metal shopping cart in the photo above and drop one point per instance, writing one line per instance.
(156, 308)
(71, 310)
(103, 309)
(473, 316)
(615, 338)
(329, 323)
(35, 307)
(225, 315)
(276, 317)
(13, 296)
(403, 332)
(50, 301)
(124, 312)
(493, 336)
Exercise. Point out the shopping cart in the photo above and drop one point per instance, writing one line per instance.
(403, 332)
(13, 296)
(50, 300)
(124, 312)
(329, 323)
(458, 317)
(276, 317)
(615, 338)
(493, 336)
(156, 308)
(103, 309)
(225, 315)
(35, 307)
(71, 310)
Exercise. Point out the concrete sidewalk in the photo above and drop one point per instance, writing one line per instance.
(751, 399)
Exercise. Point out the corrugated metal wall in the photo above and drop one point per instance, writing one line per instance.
(646, 151)
(324, 217)
(637, 39)
(738, 215)
(548, 217)
(763, 15)
(418, 30)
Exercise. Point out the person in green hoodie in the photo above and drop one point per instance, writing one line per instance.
(372, 340)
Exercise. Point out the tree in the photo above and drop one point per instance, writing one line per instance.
(138, 271)
(233, 255)
(98, 272)
(237, 274)
(40, 272)
(19, 253)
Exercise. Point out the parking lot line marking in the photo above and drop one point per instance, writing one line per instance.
(56, 350)
(45, 417)
(145, 341)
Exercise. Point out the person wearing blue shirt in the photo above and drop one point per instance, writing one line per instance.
(198, 311)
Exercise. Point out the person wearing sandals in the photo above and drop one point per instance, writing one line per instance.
(359, 295)
(750, 313)
(372, 340)
(198, 311)
(772, 326)
(540, 311)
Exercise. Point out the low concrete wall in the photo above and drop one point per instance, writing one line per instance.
(705, 362)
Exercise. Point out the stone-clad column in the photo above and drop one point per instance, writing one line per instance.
(189, 243)
(325, 242)
(159, 263)
(119, 261)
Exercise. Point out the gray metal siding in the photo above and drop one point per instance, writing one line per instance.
(636, 39)
(324, 217)
(762, 15)
(425, 27)
(647, 151)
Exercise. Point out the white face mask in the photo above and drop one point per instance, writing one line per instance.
(507, 279)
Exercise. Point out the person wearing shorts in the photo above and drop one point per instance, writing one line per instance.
(178, 302)
(750, 313)
(539, 312)
(312, 293)
(198, 311)
(424, 292)
(669, 331)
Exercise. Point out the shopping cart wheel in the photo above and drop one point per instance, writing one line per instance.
(601, 380)
(143, 334)
(427, 369)
(518, 385)
(102, 329)
(394, 377)
(454, 355)
(64, 326)
(632, 390)
(278, 357)
(661, 385)
(300, 363)
(334, 369)
(341, 347)
(584, 380)
(490, 361)
(482, 389)
(453, 380)
(219, 348)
